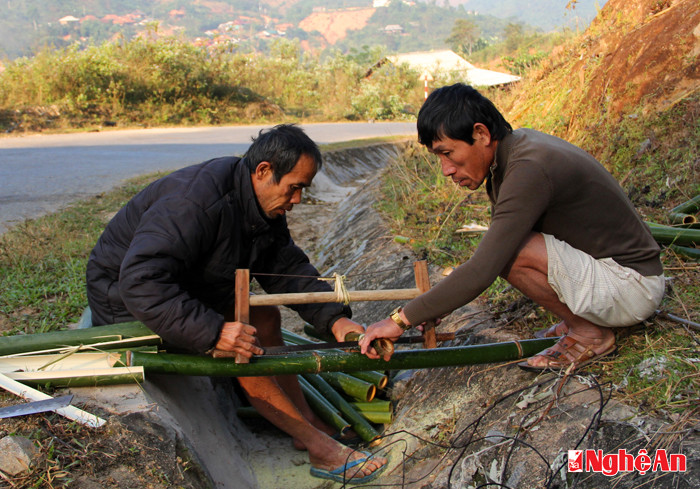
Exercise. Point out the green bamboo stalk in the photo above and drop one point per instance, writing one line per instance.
(693, 205)
(692, 253)
(375, 405)
(351, 386)
(377, 378)
(55, 339)
(325, 361)
(680, 218)
(361, 426)
(78, 378)
(670, 235)
(323, 408)
(378, 417)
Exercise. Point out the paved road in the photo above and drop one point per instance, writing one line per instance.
(40, 174)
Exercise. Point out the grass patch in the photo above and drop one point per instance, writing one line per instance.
(427, 209)
(42, 262)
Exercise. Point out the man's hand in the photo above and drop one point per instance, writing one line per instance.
(344, 326)
(386, 328)
(238, 338)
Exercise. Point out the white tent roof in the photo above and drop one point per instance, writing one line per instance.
(447, 61)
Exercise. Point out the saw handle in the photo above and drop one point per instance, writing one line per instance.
(383, 346)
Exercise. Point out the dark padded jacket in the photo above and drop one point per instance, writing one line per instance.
(169, 257)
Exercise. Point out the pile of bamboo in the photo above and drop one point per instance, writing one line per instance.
(683, 235)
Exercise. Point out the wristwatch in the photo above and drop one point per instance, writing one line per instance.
(396, 317)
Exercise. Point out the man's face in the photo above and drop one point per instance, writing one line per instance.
(466, 164)
(277, 198)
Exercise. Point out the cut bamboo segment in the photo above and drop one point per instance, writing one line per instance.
(351, 386)
(375, 405)
(378, 417)
(680, 218)
(70, 412)
(377, 378)
(323, 407)
(58, 339)
(363, 429)
(81, 378)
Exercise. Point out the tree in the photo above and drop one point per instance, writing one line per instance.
(515, 35)
(463, 36)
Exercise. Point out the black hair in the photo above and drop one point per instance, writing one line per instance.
(452, 111)
(281, 146)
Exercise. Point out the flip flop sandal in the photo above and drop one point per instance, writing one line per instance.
(565, 352)
(343, 473)
(559, 329)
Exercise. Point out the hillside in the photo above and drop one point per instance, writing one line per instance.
(546, 15)
(27, 26)
(627, 91)
(335, 25)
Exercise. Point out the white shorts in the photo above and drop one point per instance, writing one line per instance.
(600, 290)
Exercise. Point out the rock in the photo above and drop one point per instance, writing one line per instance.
(17, 454)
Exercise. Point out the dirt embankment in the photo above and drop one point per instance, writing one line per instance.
(335, 24)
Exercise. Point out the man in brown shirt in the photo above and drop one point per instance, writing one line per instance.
(562, 231)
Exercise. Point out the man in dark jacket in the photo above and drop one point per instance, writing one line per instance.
(169, 258)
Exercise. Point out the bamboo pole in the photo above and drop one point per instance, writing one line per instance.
(361, 426)
(330, 361)
(693, 205)
(678, 236)
(324, 297)
(351, 386)
(323, 408)
(378, 379)
(56, 339)
(692, 253)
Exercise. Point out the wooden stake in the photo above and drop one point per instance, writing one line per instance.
(242, 302)
(420, 268)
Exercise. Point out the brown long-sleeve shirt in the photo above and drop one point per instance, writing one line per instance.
(542, 183)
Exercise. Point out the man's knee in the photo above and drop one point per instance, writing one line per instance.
(530, 256)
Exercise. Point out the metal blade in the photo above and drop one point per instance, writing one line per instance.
(281, 350)
(36, 406)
